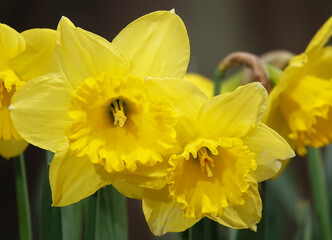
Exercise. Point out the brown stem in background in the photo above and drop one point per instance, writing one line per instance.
(257, 66)
(277, 58)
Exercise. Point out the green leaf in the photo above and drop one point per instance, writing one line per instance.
(71, 221)
(90, 212)
(328, 161)
(207, 229)
(50, 217)
(304, 220)
(23, 206)
(318, 186)
(111, 218)
(186, 235)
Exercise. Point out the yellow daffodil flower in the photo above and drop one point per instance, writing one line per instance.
(22, 57)
(226, 152)
(98, 115)
(300, 104)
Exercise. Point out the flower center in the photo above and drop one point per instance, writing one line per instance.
(118, 124)
(206, 161)
(117, 109)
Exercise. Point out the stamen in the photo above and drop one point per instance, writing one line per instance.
(117, 109)
(206, 161)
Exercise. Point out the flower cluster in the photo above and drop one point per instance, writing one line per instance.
(123, 113)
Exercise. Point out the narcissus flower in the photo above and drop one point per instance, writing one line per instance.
(98, 115)
(300, 104)
(226, 152)
(22, 57)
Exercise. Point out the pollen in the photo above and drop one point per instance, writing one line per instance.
(117, 109)
(206, 161)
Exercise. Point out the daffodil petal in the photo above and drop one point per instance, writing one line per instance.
(205, 84)
(39, 111)
(243, 216)
(157, 45)
(12, 148)
(73, 178)
(233, 114)
(163, 214)
(276, 120)
(38, 58)
(128, 189)
(82, 54)
(321, 37)
(186, 99)
(153, 177)
(11, 43)
(270, 148)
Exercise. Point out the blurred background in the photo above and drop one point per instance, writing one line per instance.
(215, 29)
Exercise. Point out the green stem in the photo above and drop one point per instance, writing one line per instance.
(23, 205)
(50, 217)
(318, 186)
(217, 81)
(233, 234)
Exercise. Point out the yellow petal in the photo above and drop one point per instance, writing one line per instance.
(73, 178)
(233, 114)
(186, 100)
(38, 58)
(11, 43)
(163, 214)
(243, 216)
(270, 148)
(153, 177)
(39, 111)
(275, 119)
(205, 84)
(321, 37)
(157, 45)
(82, 54)
(128, 189)
(12, 148)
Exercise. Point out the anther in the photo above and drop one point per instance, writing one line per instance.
(206, 161)
(117, 110)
